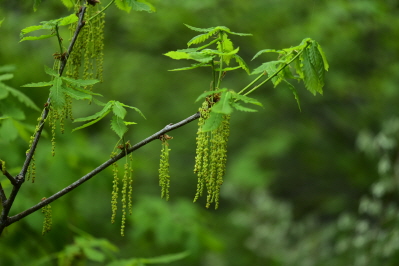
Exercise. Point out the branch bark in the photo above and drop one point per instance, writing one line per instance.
(20, 178)
(100, 168)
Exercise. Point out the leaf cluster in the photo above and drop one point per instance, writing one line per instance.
(135, 5)
(206, 57)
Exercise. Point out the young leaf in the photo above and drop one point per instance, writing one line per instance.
(39, 84)
(3, 91)
(50, 71)
(199, 38)
(78, 95)
(99, 115)
(178, 55)
(199, 29)
(223, 106)
(1, 21)
(72, 18)
(292, 88)
(326, 66)
(134, 108)
(6, 76)
(241, 63)
(68, 3)
(118, 110)
(226, 46)
(239, 107)
(22, 98)
(7, 68)
(246, 99)
(191, 67)
(311, 75)
(81, 82)
(213, 122)
(266, 51)
(141, 5)
(33, 38)
(57, 94)
(118, 125)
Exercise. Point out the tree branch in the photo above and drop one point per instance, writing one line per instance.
(3, 196)
(100, 168)
(20, 178)
(7, 174)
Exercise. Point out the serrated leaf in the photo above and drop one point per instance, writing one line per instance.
(153, 9)
(72, 18)
(118, 110)
(246, 99)
(123, 5)
(33, 38)
(129, 123)
(22, 98)
(199, 29)
(268, 67)
(78, 95)
(99, 115)
(226, 46)
(199, 38)
(7, 68)
(326, 65)
(57, 94)
(223, 106)
(311, 75)
(68, 3)
(266, 51)
(213, 122)
(51, 71)
(241, 63)
(118, 126)
(38, 84)
(208, 93)
(227, 68)
(81, 82)
(201, 57)
(292, 88)
(6, 76)
(239, 107)
(141, 6)
(190, 67)
(31, 28)
(134, 108)
(178, 55)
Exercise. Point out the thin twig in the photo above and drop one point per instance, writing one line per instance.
(20, 178)
(7, 174)
(100, 168)
(3, 196)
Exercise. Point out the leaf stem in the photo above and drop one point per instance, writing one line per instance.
(208, 44)
(276, 73)
(59, 39)
(221, 60)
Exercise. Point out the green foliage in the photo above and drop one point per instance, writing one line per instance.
(135, 5)
(118, 125)
(47, 25)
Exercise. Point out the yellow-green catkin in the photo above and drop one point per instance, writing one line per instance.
(48, 221)
(125, 184)
(211, 157)
(130, 180)
(88, 50)
(164, 177)
(115, 190)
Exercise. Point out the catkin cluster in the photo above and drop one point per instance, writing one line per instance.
(86, 59)
(164, 177)
(211, 157)
(46, 210)
(126, 190)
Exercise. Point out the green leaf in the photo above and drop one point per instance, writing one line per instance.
(31, 28)
(241, 63)
(68, 3)
(33, 38)
(199, 29)
(246, 99)
(239, 107)
(141, 5)
(1, 21)
(201, 57)
(51, 71)
(57, 94)
(6, 76)
(81, 82)
(118, 125)
(3, 91)
(292, 88)
(7, 68)
(134, 108)
(199, 38)
(39, 84)
(72, 18)
(22, 98)
(78, 95)
(326, 65)
(313, 77)
(226, 46)
(178, 55)
(269, 67)
(227, 68)
(165, 258)
(223, 106)
(213, 122)
(208, 93)
(129, 123)
(99, 115)
(8, 131)
(36, 4)
(191, 67)
(118, 110)
(93, 254)
(266, 51)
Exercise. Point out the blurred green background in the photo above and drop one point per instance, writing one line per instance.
(317, 187)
